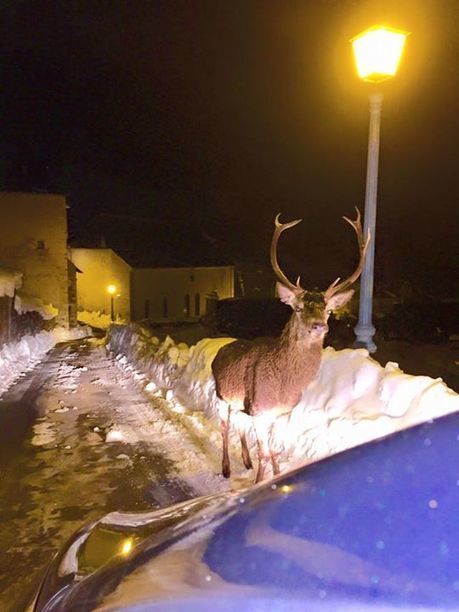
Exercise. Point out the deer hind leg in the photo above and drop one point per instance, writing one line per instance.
(225, 425)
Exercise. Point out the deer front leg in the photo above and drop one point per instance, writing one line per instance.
(275, 464)
(242, 423)
(245, 451)
(263, 458)
(225, 425)
(264, 455)
(272, 452)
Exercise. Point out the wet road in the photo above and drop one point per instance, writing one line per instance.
(57, 469)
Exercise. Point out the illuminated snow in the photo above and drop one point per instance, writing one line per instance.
(18, 357)
(354, 399)
(10, 281)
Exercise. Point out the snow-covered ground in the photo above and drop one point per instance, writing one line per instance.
(19, 357)
(96, 319)
(353, 400)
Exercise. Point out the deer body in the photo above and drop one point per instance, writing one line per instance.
(265, 372)
(265, 377)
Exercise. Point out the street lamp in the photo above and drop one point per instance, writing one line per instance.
(377, 53)
(112, 290)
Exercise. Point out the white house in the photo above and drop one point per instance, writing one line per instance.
(158, 294)
(177, 294)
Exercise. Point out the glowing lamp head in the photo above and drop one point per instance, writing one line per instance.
(111, 289)
(377, 52)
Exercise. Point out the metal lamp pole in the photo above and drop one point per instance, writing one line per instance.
(112, 290)
(377, 53)
(364, 330)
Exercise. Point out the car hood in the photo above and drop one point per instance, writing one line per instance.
(371, 528)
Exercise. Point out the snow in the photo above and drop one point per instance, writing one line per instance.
(96, 319)
(26, 303)
(18, 357)
(354, 399)
(10, 280)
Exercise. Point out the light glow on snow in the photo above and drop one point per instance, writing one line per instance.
(18, 357)
(10, 281)
(354, 399)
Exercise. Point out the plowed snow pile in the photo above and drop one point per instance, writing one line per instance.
(353, 400)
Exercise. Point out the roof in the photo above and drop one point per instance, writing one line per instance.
(150, 243)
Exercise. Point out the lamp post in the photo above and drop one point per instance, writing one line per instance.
(377, 53)
(112, 290)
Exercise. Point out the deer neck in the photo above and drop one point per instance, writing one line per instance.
(295, 338)
(297, 356)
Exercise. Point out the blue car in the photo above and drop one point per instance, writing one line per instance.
(372, 528)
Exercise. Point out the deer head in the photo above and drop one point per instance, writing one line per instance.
(313, 308)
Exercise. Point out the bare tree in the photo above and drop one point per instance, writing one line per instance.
(265, 377)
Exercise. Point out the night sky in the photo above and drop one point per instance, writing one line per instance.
(224, 112)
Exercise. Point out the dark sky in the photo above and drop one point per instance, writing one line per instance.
(227, 112)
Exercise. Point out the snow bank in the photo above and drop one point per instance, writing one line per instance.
(18, 357)
(96, 319)
(353, 400)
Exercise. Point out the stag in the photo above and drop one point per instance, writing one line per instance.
(265, 377)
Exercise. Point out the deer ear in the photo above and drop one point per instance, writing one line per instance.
(339, 300)
(285, 294)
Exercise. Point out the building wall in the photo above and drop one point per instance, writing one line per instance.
(100, 268)
(33, 239)
(160, 294)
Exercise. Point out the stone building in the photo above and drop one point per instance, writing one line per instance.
(33, 241)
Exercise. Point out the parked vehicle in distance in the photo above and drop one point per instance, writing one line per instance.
(422, 321)
(372, 528)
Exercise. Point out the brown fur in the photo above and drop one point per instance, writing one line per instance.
(268, 375)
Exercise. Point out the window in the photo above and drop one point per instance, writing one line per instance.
(186, 306)
(165, 308)
(147, 309)
(197, 305)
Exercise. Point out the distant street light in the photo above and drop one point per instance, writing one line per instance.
(377, 53)
(112, 290)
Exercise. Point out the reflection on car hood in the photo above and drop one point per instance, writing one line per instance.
(374, 527)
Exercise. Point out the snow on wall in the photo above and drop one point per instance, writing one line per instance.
(18, 357)
(353, 400)
(10, 280)
(26, 303)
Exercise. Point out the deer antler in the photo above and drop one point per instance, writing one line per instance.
(336, 286)
(280, 227)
